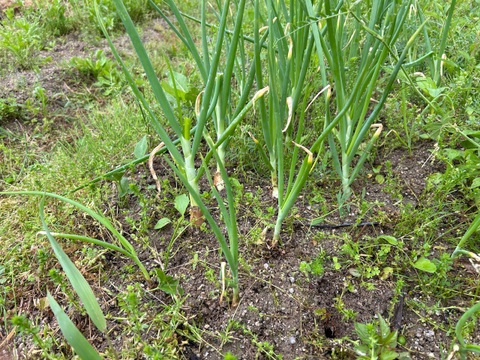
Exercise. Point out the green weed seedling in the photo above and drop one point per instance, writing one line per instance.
(314, 267)
(40, 95)
(101, 70)
(22, 39)
(54, 15)
(229, 356)
(10, 110)
(377, 342)
(138, 10)
(179, 225)
(24, 327)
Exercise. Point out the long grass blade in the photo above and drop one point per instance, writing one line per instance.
(75, 277)
(74, 337)
(101, 219)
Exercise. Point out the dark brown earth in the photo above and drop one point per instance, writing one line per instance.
(298, 315)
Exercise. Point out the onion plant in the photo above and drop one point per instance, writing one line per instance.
(353, 42)
(287, 61)
(463, 347)
(436, 63)
(215, 67)
(219, 100)
(215, 102)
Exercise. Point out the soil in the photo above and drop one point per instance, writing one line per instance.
(292, 311)
(298, 314)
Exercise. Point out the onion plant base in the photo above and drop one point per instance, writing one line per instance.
(196, 216)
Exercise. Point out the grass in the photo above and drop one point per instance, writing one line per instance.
(48, 145)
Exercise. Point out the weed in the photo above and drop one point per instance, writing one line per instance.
(41, 96)
(101, 70)
(55, 17)
(137, 9)
(22, 39)
(314, 267)
(377, 342)
(10, 110)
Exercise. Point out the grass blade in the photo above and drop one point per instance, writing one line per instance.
(74, 337)
(101, 219)
(75, 277)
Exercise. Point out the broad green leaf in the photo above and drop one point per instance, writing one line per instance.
(404, 356)
(74, 337)
(141, 148)
(384, 328)
(467, 144)
(362, 332)
(390, 239)
(181, 82)
(391, 340)
(425, 265)
(388, 355)
(167, 283)
(474, 133)
(475, 183)
(181, 85)
(162, 223)
(75, 277)
(362, 350)
(454, 154)
(354, 272)
(181, 203)
(380, 179)
(124, 187)
(171, 286)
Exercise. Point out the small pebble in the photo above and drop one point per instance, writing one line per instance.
(291, 290)
(292, 340)
(429, 333)
(265, 266)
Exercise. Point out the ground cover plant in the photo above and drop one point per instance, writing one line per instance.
(328, 152)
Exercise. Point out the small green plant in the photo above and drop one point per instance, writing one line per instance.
(41, 96)
(377, 342)
(10, 110)
(22, 39)
(25, 327)
(137, 9)
(54, 14)
(101, 70)
(314, 267)
(229, 356)
(181, 204)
